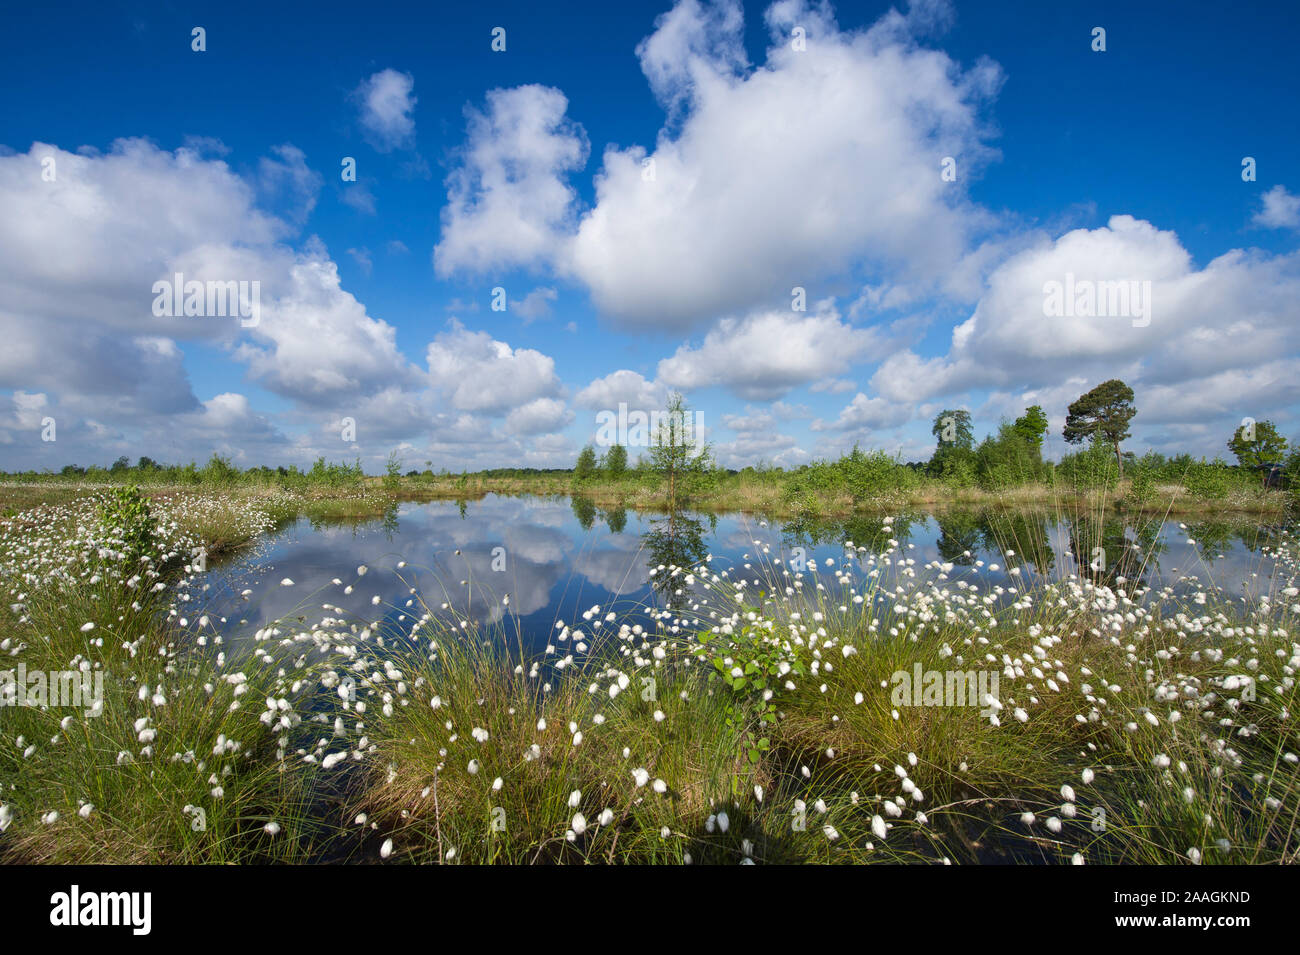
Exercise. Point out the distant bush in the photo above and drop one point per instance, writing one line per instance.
(1211, 480)
(219, 472)
(1091, 469)
(332, 475)
(874, 474)
(864, 475)
(1291, 470)
(959, 470)
(1141, 487)
(585, 467)
(614, 463)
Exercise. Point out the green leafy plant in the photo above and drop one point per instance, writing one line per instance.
(1093, 468)
(126, 516)
(585, 467)
(1257, 444)
(1141, 488)
(753, 666)
(219, 472)
(1211, 480)
(615, 461)
(393, 472)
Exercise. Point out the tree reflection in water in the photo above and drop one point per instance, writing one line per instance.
(584, 510)
(1106, 549)
(616, 520)
(1021, 538)
(676, 540)
(1102, 549)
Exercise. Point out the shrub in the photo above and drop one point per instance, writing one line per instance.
(126, 517)
(1007, 460)
(1094, 468)
(1141, 488)
(958, 470)
(873, 474)
(1211, 481)
(393, 472)
(219, 472)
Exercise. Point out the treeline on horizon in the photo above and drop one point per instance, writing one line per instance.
(1012, 456)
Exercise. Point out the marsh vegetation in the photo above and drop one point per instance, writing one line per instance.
(740, 702)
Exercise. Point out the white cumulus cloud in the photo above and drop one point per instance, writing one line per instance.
(386, 102)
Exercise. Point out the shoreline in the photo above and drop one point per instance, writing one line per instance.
(768, 500)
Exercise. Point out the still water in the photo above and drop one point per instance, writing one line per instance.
(519, 564)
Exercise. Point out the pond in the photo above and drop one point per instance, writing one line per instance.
(519, 564)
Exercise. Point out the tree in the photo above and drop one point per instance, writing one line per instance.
(1032, 426)
(586, 465)
(615, 461)
(1102, 414)
(677, 449)
(1007, 459)
(393, 471)
(1256, 443)
(952, 428)
(953, 458)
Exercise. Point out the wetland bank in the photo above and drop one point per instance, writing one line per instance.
(377, 675)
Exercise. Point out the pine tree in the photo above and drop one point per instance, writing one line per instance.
(1104, 415)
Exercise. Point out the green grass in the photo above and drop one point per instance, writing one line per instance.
(431, 804)
(867, 482)
(175, 678)
(773, 497)
(718, 782)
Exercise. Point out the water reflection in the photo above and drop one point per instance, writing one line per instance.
(1112, 552)
(519, 564)
(676, 540)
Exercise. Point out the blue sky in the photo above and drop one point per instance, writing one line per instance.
(774, 167)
